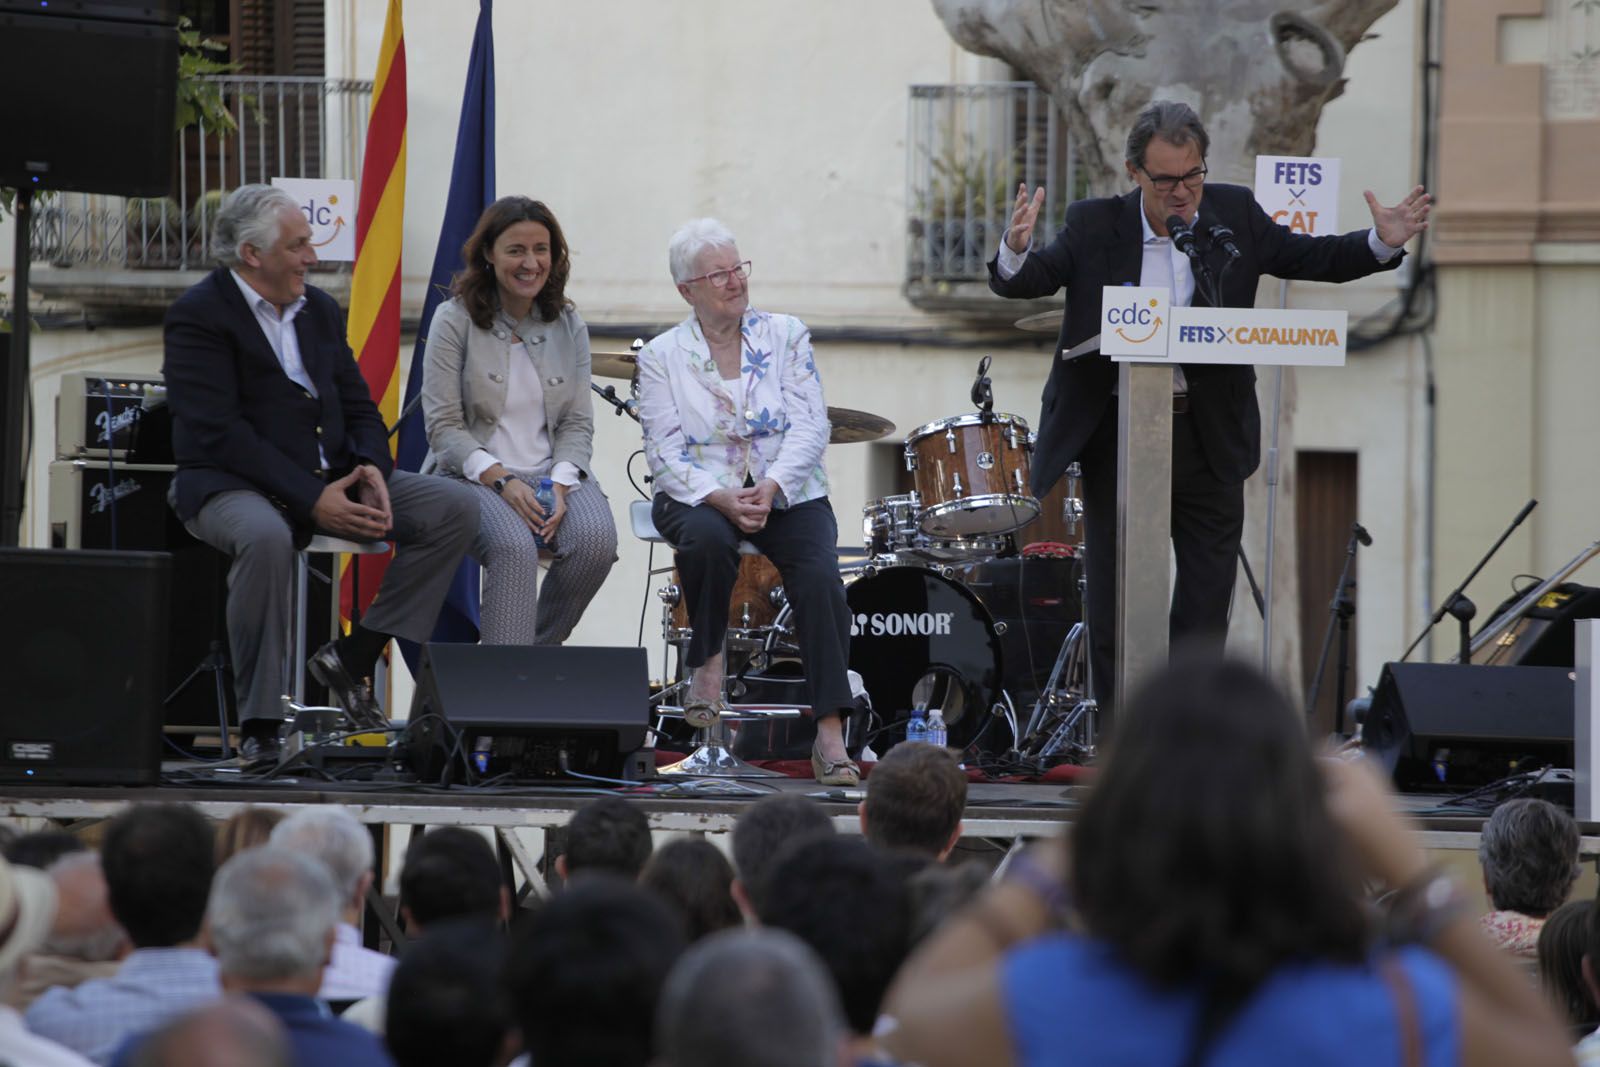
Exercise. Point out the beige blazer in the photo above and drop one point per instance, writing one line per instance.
(464, 386)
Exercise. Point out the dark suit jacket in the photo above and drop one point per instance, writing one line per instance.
(238, 422)
(1102, 244)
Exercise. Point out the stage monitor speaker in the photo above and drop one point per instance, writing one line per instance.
(1458, 726)
(92, 100)
(529, 712)
(82, 647)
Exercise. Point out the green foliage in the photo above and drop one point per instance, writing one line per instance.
(199, 99)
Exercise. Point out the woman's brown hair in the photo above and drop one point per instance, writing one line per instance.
(475, 283)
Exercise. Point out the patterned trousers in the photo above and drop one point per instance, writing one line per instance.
(513, 611)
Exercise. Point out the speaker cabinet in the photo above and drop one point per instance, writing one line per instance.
(82, 651)
(91, 101)
(520, 712)
(1459, 726)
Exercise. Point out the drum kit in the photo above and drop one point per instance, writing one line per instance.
(967, 595)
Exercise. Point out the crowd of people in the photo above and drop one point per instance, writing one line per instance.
(1223, 896)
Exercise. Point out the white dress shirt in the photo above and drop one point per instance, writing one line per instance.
(279, 330)
(354, 972)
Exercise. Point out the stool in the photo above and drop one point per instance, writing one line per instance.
(295, 646)
(712, 757)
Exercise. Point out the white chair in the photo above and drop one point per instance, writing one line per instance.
(295, 646)
(712, 756)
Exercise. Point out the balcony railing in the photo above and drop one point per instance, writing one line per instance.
(285, 127)
(968, 147)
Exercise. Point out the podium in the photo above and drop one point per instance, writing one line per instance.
(1147, 337)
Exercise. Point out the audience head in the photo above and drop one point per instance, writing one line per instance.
(607, 834)
(158, 861)
(451, 872)
(246, 828)
(761, 832)
(445, 1004)
(334, 837)
(1562, 942)
(1529, 853)
(939, 891)
(694, 877)
(100, 938)
(1209, 770)
(915, 797)
(850, 904)
(586, 971)
(478, 284)
(775, 1005)
(271, 920)
(234, 1032)
(42, 848)
(27, 909)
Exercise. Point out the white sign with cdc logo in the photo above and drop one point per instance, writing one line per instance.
(329, 204)
(1134, 321)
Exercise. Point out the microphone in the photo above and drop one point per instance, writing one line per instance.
(1182, 236)
(1361, 534)
(982, 396)
(1221, 235)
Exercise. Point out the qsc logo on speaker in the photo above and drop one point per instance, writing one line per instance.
(1134, 320)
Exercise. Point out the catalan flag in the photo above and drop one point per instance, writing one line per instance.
(471, 190)
(374, 320)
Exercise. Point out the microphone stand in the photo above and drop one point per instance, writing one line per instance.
(629, 408)
(1340, 610)
(1464, 612)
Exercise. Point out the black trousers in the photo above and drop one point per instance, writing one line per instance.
(1207, 524)
(800, 541)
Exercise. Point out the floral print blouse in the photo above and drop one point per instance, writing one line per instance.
(697, 440)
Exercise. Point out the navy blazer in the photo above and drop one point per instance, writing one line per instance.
(239, 422)
(1102, 244)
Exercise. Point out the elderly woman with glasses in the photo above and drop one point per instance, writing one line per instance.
(734, 428)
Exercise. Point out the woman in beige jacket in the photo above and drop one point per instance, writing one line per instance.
(505, 396)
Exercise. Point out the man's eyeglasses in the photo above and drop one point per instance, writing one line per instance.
(724, 278)
(1165, 183)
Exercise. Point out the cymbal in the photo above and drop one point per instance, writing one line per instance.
(614, 364)
(854, 427)
(1044, 322)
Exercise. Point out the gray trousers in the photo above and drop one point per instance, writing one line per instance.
(434, 522)
(514, 611)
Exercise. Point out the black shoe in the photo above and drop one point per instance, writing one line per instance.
(354, 696)
(260, 749)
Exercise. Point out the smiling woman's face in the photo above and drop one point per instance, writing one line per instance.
(521, 261)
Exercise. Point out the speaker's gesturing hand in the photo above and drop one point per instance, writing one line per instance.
(1024, 213)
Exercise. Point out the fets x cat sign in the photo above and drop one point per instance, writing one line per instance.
(1300, 192)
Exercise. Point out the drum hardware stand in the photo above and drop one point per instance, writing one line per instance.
(1340, 609)
(1074, 733)
(1255, 589)
(215, 662)
(983, 390)
(1451, 605)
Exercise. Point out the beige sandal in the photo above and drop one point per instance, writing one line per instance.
(845, 772)
(703, 714)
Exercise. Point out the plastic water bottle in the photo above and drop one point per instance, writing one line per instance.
(545, 494)
(482, 749)
(937, 734)
(917, 728)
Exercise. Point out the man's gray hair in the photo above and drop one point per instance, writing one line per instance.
(693, 238)
(776, 1006)
(1529, 852)
(270, 914)
(329, 833)
(251, 215)
(1172, 122)
(100, 944)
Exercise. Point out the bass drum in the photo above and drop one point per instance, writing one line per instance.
(918, 635)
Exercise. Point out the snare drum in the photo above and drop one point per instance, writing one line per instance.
(971, 474)
(757, 597)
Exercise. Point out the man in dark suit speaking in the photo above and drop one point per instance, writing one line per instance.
(277, 436)
(1216, 432)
